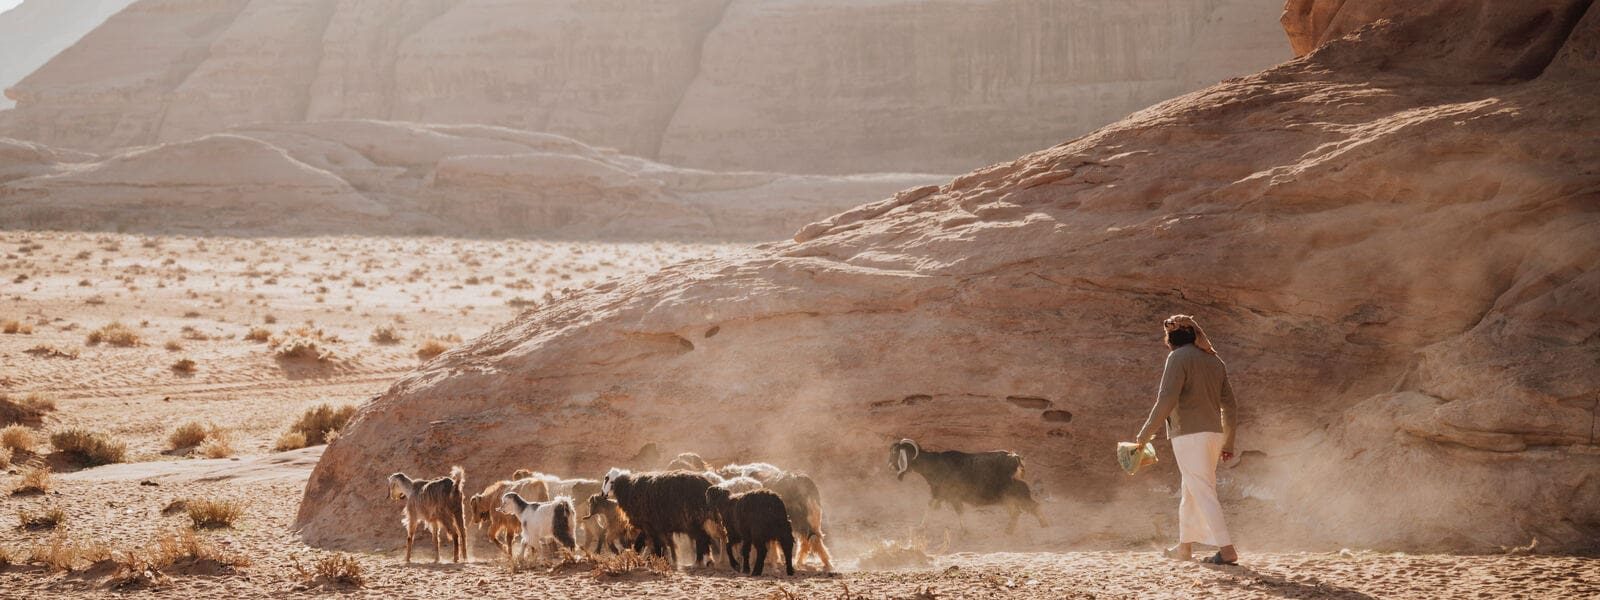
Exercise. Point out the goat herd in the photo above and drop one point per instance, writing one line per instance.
(749, 506)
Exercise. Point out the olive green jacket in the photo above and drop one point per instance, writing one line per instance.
(1195, 396)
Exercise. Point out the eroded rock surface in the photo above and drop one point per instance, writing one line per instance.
(821, 86)
(1392, 240)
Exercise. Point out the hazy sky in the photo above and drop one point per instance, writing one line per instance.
(6, 5)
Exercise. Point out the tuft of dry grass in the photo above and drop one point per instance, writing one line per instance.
(18, 438)
(316, 423)
(9, 557)
(206, 513)
(258, 334)
(61, 554)
(52, 518)
(115, 334)
(432, 347)
(89, 448)
(35, 479)
(889, 554)
(188, 435)
(14, 327)
(290, 440)
(301, 348)
(386, 334)
(219, 445)
(171, 550)
(173, 346)
(29, 410)
(5, 457)
(628, 563)
(184, 366)
(338, 570)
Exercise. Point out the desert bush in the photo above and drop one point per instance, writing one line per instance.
(206, 513)
(188, 435)
(9, 557)
(28, 410)
(314, 424)
(301, 348)
(18, 438)
(184, 365)
(431, 347)
(173, 346)
(114, 333)
(629, 562)
(5, 457)
(52, 518)
(386, 334)
(90, 448)
(333, 569)
(258, 334)
(60, 554)
(148, 566)
(35, 479)
(290, 440)
(14, 326)
(219, 445)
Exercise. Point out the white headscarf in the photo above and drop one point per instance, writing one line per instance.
(1187, 321)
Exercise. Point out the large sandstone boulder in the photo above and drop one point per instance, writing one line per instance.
(377, 177)
(820, 86)
(36, 30)
(1398, 265)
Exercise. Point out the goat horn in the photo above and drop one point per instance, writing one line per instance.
(915, 450)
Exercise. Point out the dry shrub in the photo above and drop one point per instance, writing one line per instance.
(116, 334)
(386, 334)
(315, 424)
(206, 513)
(5, 457)
(301, 348)
(35, 479)
(432, 347)
(14, 326)
(89, 448)
(18, 438)
(48, 351)
(258, 334)
(29, 410)
(184, 366)
(172, 551)
(52, 518)
(219, 445)
(290, 440)
(173, 346)
(9, 557)
(337, 570)
(60, 554)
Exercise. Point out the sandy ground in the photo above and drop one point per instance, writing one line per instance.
(205, 295)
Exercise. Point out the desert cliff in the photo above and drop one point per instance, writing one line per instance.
(822, 86)
(1392, 239)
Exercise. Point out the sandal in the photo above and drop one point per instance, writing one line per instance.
(1217, 559)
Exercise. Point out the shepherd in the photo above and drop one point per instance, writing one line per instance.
(1196, 402)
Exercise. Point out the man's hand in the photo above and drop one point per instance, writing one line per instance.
(1227, 455)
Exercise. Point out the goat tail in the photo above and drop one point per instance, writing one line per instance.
(1022, 470)
(459, 475)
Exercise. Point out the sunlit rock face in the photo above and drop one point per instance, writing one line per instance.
(1392, 240)
(820, 86)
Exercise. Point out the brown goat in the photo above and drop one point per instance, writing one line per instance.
(435, 504)
(481, 509)
(613, 531)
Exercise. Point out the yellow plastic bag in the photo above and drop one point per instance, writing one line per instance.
(1133, 457)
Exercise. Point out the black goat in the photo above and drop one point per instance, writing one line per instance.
(662, 504)
(957, 479)
(755, 518)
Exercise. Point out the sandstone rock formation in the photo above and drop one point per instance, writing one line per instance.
(37, 30)
(821, 86)
(355, 177)
(1392, 240)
